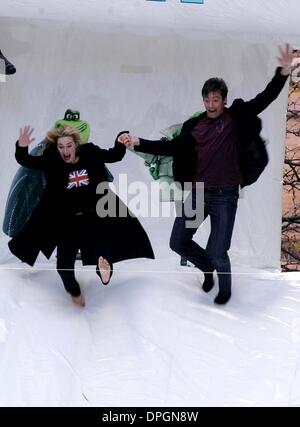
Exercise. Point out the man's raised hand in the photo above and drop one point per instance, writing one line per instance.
(285, 58)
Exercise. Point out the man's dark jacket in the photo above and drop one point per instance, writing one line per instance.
(252, 153)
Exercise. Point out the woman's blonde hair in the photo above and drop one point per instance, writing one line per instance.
(62, 131)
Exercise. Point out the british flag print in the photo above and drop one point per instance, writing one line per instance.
(78, 178)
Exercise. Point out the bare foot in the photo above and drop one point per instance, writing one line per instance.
(79, 300)
(104, 269)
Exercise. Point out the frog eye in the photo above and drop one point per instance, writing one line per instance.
(75, 116)
(69, 116)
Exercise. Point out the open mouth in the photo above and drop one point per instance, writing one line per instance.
(67, 158)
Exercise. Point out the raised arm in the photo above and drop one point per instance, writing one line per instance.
(22, 155)
(273, 89)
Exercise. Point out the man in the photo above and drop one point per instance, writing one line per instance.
(223, 149)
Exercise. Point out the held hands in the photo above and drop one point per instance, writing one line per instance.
(128, 140)
(25, 136)
(285, 59)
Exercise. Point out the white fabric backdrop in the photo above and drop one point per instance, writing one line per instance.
(121, 80)
(258, 19)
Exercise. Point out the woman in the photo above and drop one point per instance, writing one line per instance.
(66, 216)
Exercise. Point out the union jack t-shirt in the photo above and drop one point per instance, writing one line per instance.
(80, 194)
(78, 178)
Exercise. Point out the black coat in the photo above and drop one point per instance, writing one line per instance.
(43, 230)
(252, 153)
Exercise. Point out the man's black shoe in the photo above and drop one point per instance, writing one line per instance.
(222, 297)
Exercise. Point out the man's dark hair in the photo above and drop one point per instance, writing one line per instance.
(215, 85)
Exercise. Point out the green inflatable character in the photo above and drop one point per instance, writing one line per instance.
(72, 118)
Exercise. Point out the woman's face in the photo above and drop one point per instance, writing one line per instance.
(67, 149)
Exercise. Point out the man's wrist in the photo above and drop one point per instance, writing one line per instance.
(285, 70)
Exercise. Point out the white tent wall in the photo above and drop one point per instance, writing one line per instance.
(121, 80)
(264, 19)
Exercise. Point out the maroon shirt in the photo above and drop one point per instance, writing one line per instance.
(216, 151)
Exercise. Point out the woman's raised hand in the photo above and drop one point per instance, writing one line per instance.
(25, 136)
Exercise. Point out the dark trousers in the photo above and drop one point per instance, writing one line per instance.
(73, 235)
(66, 257)
(220, 205)
(81, 231)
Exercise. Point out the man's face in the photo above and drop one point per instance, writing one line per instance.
(214, 104)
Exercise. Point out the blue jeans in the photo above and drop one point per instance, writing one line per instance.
(220, 205)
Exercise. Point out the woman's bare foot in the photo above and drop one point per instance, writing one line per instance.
(104, 270)
(79, 300)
